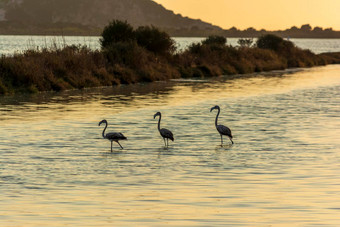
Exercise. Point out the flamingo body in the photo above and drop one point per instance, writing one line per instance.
(112, 136)
(223, 130)
(115, 136)
(165, 133)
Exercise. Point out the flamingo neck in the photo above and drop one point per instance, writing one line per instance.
(159, 122)
(218, 114)
(104, 130)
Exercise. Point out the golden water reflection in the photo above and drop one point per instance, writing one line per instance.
(56, 170)
(85, 104)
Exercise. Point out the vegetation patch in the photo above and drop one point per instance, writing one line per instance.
(147, 54)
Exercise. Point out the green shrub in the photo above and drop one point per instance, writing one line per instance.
(126, 53)
(117, 31)
(283, 48)
(219, 40)
(269, 41)
(129, 56)
(195, 48)
(154, 40)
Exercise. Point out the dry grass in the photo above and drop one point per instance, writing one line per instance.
(76, 67)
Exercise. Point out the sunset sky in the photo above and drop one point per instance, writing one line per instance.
(267, 14)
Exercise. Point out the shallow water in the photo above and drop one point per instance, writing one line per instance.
(10, 44)
(283, 170)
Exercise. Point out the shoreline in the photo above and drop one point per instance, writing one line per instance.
(173, 36)
(231, 33)
(78, 67)
(202, 87)
(272, 73)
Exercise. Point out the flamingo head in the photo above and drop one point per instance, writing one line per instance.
(103, 121)
(157, 114)
(215, 107)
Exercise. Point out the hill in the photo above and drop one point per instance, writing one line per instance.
(92, 15)
(89, 17)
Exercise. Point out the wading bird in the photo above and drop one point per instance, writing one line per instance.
(165, 133)
(112, 136)
(223, 130)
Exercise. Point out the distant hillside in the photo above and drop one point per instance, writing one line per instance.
(88, 17)
(94, 14)
(305, 31)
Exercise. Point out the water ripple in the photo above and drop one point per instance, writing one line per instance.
(282, 170)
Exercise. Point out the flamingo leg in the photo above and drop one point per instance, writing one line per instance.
(164, 141)
(232, 142)
(167, 142)
(119, 144)
(221, 140)
(111, 145)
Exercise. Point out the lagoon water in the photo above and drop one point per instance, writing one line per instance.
(17, 44)
(283, 170)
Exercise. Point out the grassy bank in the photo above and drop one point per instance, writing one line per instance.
(148, 56)
(76, 68)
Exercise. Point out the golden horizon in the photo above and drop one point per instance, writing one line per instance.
(260, 14)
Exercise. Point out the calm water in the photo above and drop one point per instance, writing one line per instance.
(17, 44)
(283, 170)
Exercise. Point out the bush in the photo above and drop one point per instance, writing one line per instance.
(126, 53)
(117, 31)
(129, 56)
(282, 47)
(219, 40)
(154, 40)
(195, 48)
(269, 41)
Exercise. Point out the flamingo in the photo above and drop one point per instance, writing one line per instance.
(112, 136)
(165, 133)
(223, 130)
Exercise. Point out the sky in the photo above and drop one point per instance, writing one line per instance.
(266, 14)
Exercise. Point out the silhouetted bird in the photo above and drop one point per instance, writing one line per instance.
(112, 136)
(223, 130)
(165, 133)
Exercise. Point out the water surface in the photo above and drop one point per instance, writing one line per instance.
(283, 170)
(10, 44)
